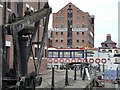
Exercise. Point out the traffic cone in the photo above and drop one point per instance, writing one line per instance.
(107, 79)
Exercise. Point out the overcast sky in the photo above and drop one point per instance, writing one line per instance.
(105, 12)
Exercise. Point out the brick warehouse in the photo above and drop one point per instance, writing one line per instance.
(72, 28)
(19, 8)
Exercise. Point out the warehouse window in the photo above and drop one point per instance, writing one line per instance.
(61, 40)
(56, 26)
(56, 40)
(62, 26)
(83, 26)
(110, 51)
(78, 26)
(56, 33)
(82, 18)
(77, 33)
(83, 41)
(77, 40)
(116, 51)
(61, 47)
(61, 33)
(62, 18)
(78, 17)
(56, 18)
(82, 33)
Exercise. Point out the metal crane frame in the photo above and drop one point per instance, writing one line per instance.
(27, 25)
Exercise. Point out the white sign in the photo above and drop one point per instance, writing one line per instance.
(79, 29)
(8, 43)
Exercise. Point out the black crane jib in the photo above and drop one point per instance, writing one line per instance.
(26, 21)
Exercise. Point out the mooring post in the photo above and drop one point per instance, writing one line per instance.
(81, 69)
(75, 72)
(52, 82)
(66, 75)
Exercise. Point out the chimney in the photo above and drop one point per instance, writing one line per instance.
(108, 37)
(92, 17)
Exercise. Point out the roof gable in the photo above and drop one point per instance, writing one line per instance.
(68, 6)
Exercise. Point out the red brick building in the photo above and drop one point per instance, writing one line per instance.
(72, 28)
(108, 43)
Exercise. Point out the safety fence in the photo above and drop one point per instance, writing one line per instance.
(69, 60)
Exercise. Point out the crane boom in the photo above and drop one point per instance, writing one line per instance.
(28, 20)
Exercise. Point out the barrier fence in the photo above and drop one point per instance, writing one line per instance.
(69, 60)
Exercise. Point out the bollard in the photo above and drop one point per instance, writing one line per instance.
(99, 68)
(103, 68)
(117, 72)
(81, 68)
(66, 75)
(52, 82)
(84, 74)
(90, 69)
(75, 72)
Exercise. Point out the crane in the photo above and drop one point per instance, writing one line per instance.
(23, 31)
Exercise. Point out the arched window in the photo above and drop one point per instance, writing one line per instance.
(110, 51)
(115, 51)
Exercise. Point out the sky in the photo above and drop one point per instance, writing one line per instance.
(105, 12)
